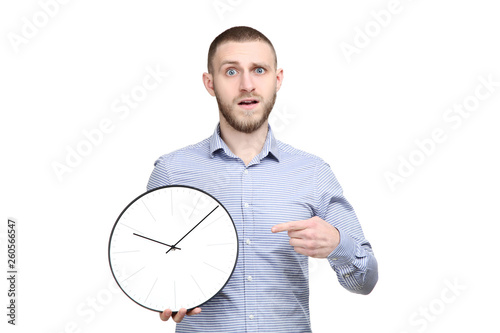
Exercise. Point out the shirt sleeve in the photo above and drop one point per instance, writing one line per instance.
(159, 177)
(353, 259)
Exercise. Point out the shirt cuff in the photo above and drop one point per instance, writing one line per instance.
(344, 253)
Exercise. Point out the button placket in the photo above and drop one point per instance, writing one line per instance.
(250, 285)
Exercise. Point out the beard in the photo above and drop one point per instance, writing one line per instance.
(247, 124)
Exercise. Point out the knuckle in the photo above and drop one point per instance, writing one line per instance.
(309, 234)
(299, 250)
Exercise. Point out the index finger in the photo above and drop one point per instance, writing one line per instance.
(287, 226)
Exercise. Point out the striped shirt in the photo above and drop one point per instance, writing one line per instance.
(268, 291)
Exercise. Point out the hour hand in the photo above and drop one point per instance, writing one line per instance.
(171, 246)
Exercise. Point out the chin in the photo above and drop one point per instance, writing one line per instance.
(241, 119)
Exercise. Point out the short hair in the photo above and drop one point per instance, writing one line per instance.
(238, 34)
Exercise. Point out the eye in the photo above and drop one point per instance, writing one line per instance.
(231, 72)
(260, 70)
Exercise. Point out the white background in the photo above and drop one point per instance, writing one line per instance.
(360, 113)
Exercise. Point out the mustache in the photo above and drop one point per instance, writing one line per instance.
(243, 96)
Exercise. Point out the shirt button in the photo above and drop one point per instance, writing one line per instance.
(246, 204)
(248, 242)
(250, 278)
(251, 317)
(245, 172)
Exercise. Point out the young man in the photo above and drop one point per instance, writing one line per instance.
(286, 204)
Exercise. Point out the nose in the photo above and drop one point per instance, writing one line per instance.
(246, 83)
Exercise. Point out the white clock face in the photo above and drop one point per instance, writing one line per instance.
(173, 247)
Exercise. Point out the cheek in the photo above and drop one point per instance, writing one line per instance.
(268, 88)
(226, 90)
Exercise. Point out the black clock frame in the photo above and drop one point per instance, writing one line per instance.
(156, 189)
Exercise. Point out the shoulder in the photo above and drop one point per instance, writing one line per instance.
(290, 154)
(188, 153)
(306, 162)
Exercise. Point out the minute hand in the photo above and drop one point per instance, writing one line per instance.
(191, 229)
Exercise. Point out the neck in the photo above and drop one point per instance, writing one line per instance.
(244, 145)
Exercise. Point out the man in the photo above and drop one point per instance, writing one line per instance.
(286, 204)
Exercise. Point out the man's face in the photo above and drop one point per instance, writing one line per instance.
(245, 82)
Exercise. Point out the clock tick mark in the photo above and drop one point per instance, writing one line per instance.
(207, 225)
(134, 274)
(148, 210)
(151, 290)
(126, 251)
(175, 296)
(194, 208)
(198, 285)
(220, 270)
(172, 202)
(130, 227)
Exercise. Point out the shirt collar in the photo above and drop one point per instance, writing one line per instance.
(270, 145)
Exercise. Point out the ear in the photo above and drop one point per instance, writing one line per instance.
(279, 79)
(209, 83)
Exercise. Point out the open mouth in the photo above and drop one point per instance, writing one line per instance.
(248, 102)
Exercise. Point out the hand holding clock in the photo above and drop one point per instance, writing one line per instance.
(177, 317)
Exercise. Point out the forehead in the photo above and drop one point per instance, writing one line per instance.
(244, 53)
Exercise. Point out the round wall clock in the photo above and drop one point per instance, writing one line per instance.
(173, 247)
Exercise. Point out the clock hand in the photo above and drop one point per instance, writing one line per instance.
(171, 246)
(192, 229)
